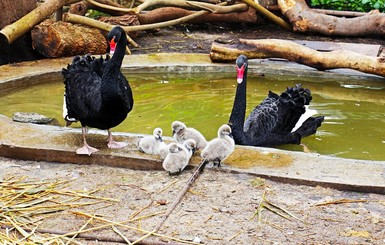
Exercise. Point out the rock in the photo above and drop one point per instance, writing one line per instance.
(30, 117)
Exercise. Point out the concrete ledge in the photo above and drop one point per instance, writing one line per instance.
(57, 144)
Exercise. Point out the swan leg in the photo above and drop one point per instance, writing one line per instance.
(113, 144)
(305, 148)
(86, 149)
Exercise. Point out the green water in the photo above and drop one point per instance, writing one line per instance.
(354, 111)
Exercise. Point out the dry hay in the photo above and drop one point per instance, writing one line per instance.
(24, 205)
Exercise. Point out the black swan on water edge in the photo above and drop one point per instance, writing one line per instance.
(96, 92)
(273, 121)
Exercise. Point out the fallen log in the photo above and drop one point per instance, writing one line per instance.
(58, 39)
(170, 13)
(276, 48)
(304, 19)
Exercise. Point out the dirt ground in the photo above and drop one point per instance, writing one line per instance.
(198, 38)
(220, 208)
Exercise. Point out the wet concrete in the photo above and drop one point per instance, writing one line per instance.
(58, 144)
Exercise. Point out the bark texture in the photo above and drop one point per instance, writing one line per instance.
(57, 39)
(170, 13)
(304, 19)
(276, 48)
(19, 50)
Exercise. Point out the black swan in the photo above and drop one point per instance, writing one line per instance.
(219, 148)
(271, 123)
(96, 92)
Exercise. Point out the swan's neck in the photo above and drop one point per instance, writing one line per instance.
(112, 68)
(237, 117)
(120, 51)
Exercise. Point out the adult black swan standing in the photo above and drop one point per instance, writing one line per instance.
(96, 92)
(272, 122)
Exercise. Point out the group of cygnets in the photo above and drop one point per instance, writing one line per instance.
(176, 155)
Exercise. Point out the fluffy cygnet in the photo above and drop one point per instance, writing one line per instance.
(219, 148)
(181, 133)
(152, 144)
(178, 156)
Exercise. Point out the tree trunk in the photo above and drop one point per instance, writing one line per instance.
(58, 39)
(275, 48)
(304, 19)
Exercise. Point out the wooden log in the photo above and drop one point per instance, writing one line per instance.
(170, 13)
(304, 19)
(123, 20)
(58, 39)
(276, 48)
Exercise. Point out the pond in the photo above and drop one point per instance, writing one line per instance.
(354, 110)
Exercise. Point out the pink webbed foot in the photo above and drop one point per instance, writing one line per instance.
(86, 150)
(113, 144)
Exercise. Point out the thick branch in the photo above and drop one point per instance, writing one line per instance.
(268, 14)
(275, 48)
(104, 26)
(177, 200)
(215, 8)
(305, 19)
(77, 19)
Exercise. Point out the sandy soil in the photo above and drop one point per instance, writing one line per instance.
(220, 208)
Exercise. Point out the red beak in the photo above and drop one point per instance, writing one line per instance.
(240, 72)
(112, 46)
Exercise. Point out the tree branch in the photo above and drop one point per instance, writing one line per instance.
(268, 14)
(304, 19)
(276, 48)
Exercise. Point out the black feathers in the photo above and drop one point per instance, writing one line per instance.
(273, 120)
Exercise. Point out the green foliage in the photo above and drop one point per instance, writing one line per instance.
(353, 5)
(94, 14)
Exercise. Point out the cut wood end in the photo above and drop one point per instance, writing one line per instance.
(301, 25)
(4, 41)
(286, 5)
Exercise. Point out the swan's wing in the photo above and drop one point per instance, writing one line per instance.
(82, 89)
(264, 118)
(126, 92)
